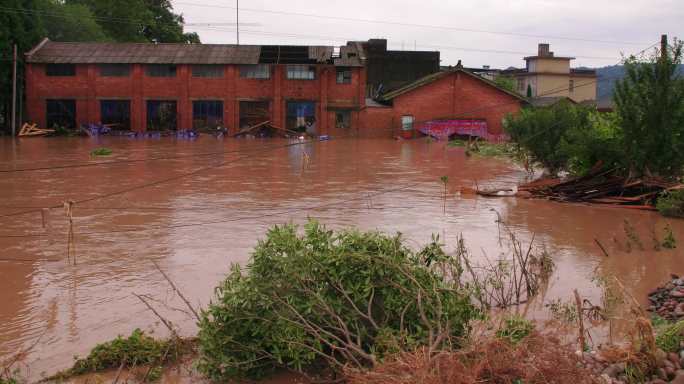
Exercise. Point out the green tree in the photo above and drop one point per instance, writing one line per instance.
(506, 82)
(650, 110)
(25, 30)
(139, 20)
(73, 22)
(556, 136)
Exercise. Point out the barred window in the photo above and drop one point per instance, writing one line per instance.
(60, 113)
(115, 70)
(344, 76)
(301, 72)
(257, 71)
(207, 70)
(342, 119)
(160, 70)
(60, 70)
(207, 114)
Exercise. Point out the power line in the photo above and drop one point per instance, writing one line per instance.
(389, 22)
(213, 222)
(154, 183)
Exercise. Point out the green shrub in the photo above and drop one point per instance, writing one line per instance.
(670, 337)
(101, 152)
(328, 299)
(671, 204)
(515, 328)
(138, 348)
(566, 137)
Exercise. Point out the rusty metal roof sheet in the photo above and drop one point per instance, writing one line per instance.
(147, 53)
(143, 53)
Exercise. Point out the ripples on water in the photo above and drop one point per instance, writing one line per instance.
(373, 184)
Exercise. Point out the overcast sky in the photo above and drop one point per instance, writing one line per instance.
(594, 31)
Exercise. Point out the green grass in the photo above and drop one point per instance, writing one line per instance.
(138, 349)
(515, 328)
(669, 337)
(487, 149)
(671, 204)
(101, 152)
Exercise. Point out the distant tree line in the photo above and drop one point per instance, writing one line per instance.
(27, 22)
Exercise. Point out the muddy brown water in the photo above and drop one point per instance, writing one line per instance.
(195, 226)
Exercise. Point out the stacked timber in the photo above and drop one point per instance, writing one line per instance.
(597, 187)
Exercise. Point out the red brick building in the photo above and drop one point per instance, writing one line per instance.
(182, 86)
(456, 99)
(159, 87)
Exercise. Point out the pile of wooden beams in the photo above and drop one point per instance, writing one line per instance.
(605, 187)
(33, 130)
(597, 187)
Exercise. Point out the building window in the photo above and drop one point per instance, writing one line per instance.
(301, 116)
(161, 115)
(160, 70)
(407, 123)
(116, 114)
(571, 86)
(344, 76)
(115, 70)
(214, 71)
(301, 72)
(60, 113)
(60, 70)
(343, 119)
(521, 85)
(207, 114)
(257, 71)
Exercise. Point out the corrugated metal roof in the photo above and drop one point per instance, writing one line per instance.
(143, 53)
(148, 53)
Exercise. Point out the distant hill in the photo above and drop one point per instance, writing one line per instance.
(607, 76)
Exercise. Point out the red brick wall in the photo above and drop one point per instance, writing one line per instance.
(377, 122)
(457, 96)
(88, 88)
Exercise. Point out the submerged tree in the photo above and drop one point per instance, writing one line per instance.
(650, 111)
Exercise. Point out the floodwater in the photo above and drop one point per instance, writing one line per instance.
(195, 207)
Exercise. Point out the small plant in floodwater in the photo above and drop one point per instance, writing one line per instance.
(656, 242)
(669, 242)
(632, 236)
(671, 203)
(515, 328)
(445, 181)
(101, 152)
(565, 312)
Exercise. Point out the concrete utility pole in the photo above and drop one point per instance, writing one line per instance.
(237, 20)
(14, 91)
(663, 46)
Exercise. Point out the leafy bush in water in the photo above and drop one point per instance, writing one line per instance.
(330, 298)
(566, 136)
(671, 204)
(101, 152)
(137, 349)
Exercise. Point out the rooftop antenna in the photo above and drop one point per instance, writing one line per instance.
(237, 20)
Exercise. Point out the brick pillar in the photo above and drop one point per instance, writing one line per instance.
(322, 121)
(277, 105)
(35, 105)
(230, 104)
(183, 105)
(138, 107)
(92, 104)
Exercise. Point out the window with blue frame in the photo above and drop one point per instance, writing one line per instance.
(207, 114)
